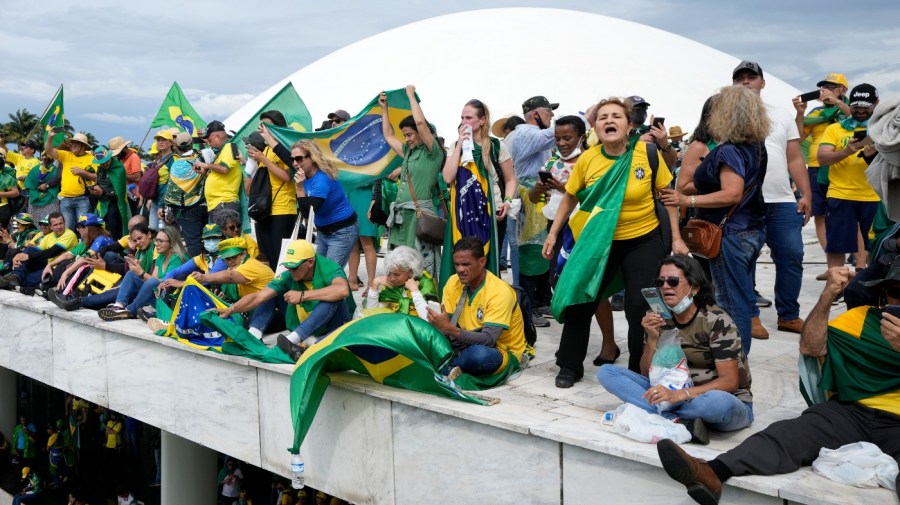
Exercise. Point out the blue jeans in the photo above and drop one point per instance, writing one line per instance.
(72, 208)
(732, 276)
(265, 312)
(721, 410)
(29, 272)
(327, 316)
(100, 300)
(478, 360)
(512, 239)
(783, 228)
(191, 220)
(336, 246)
(135, 293)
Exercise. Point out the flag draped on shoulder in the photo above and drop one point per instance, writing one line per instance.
(177, 112)
(357, 147)
(595, 220)
(393, 349)
(286, 101)
(54, 117)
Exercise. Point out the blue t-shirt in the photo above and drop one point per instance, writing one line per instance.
(749, 162)
(336, 207)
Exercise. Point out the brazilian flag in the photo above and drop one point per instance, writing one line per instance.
(357, 147)
(177, 112)
(393, 349)
(54, 117)
(286, 101)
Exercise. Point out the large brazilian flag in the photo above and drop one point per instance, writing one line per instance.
(177, 112)
(357, 147)
(286, 101)
(54, 117)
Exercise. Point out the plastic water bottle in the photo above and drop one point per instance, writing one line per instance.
(297, 471)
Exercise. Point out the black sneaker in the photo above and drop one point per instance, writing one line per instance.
(9, 281)
(697, 429)
(566, 378)
(67, 303)
(618, 301)
(293, 350)
(146, 313)
(539, 321)
(762, 301)
(114, 313)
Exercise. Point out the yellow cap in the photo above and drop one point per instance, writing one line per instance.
(834, 78)
(26, 471)
(297, 252)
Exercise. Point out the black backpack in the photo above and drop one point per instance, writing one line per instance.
(528, 322)
(259, 200)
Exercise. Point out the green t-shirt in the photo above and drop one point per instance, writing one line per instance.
(174, 262)
(423, 167)
(325, 273)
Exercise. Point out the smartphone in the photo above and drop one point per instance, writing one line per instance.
(860, 135)
(809, 97)
(893, 310)
(545, 176)
(658, 122)
(655, 301)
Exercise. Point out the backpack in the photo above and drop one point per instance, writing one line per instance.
(528, 323)
(259, 200)
(665, 226)
(149, 181)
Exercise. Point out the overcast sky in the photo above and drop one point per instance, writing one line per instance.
(118, 59)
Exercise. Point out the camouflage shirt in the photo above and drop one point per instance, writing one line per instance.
(711, 336)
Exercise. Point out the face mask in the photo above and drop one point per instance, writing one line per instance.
(638, 116)
(211, 245)
(540, 122)
(571, 155)
(683, 305)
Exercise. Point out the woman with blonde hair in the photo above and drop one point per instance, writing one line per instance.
(317, 187)
(729, 181)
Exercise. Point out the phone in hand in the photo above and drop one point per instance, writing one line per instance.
(659, 122)
(893, 310)
(655, 301)
(859, 135)
(545, 177)
(809, 97)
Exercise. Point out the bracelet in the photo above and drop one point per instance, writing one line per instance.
(508, 199)
(688, 394)
(301, 296)
(693, 201)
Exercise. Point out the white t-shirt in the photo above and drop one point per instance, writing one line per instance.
(232, 487)
(776, 186)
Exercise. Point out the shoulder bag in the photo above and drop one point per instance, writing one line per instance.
(430, 227)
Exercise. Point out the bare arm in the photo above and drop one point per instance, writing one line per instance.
(451, 165)
(386, 129)
(828, 155)
(338, 290)
(562, 216)
(419, 116)
(731, 193)
(223, 277)
(249, 302)
(798, 172)
(49, 150)
(689, 163)
(814, 336)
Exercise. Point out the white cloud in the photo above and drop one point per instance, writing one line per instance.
(109, 117)
(28, 88)
(212, 105)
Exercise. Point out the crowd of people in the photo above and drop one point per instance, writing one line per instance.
(583, 209)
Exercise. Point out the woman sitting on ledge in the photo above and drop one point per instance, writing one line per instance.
(405, 289)
(721, 395)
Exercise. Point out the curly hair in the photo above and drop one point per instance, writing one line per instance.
(318, 158)
(739, 116)
(405, 258)
(695, 276)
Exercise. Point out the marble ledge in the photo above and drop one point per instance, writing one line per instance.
(815, 489)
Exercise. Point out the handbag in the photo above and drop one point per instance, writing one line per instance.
(430, 227)
(704, 238)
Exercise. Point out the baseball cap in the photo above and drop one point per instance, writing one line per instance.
(536, 102)
(340, 113)
(184, 140)
(101, 155)
(24, 218)
(89, 220)
(834, 78)
(637, 101)
(32, 144)
(45, 221)
(165, 135)
(750, 66)
(212, 231)
(863, 95)
(893, 274)
(213, 127)
(298, 251)
(232, 247)
(256, 140)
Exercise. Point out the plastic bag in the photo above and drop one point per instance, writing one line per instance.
(638, 424)
(669, 367)
(861, 464)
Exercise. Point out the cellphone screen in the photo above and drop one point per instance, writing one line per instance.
(893, 310)
(809, 97)
(658, 121)
(545, 176)
(859, 135)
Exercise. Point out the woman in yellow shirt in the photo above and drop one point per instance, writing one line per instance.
(635, 245)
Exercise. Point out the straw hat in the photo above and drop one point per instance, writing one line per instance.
(675, 131)
(80, 138)
(116, 144)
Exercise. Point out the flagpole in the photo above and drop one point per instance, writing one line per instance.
(45, 112)
(145, 137)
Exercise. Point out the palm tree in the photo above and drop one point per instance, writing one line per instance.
(20, 126)
(92, 140)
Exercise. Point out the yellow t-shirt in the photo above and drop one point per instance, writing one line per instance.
(816, 131)
(284, 193)
(252, 246)
(638, 215)
(35, 240)
(113, 439)
(847, 178)
(124, 241)
(258, 275)
(492, 304)
(67, 240)
(23, 166)
(223, 188)
(73, 185)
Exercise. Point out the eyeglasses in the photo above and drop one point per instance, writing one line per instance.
(161, 241)
(299, 159)
(892, 290)
(672, 281)
(831, 87)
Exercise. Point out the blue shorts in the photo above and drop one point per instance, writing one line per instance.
(819, 206)
(844, 220)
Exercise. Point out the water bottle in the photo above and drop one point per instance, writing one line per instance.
(297, 471)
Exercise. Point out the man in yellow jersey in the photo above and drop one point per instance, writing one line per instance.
(224, 174)
(76, 159)
(481, 315)
(851, 201)
(861, 351)
(832, 93)
(24, 160)
(29, 264)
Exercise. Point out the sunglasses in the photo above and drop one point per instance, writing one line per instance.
(299, 159)
(233, 227)
(337, 121)
(672, 281)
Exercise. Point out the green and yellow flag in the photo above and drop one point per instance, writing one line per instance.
(54, 117)
(286, 101)
(593, 226)
(177, 112)
(357, 147)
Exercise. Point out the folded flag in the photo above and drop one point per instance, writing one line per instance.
(54, 117)
(357, 147)
(286, 101)
(177, 112)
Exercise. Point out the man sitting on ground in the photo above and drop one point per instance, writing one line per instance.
(481, 315)
(313, 294)
(29, 264)
(862, 368)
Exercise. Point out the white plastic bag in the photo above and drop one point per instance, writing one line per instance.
(669, 367)
(861, 464)
(642, 426)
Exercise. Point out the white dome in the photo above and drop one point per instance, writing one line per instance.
(571, 57)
